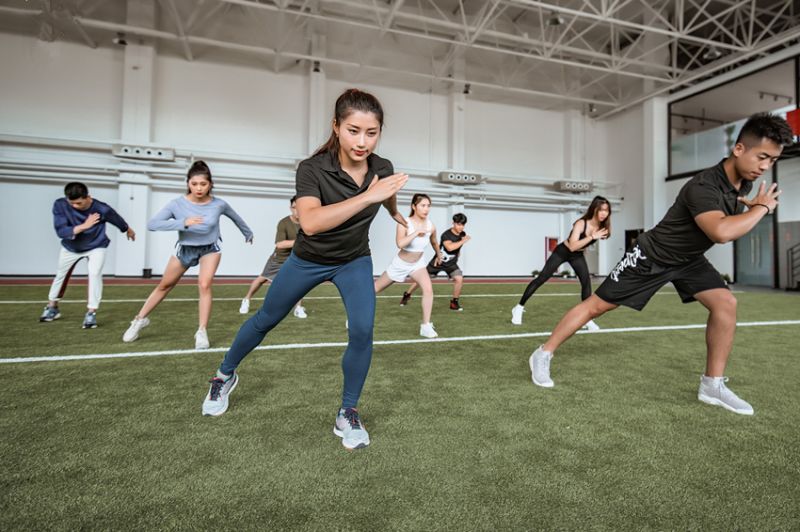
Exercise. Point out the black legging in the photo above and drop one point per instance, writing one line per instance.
(561, 255)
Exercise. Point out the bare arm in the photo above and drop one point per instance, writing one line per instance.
(575, 242)
(435, 246)
(284, 244)
(316, 218)
(721, 228)
(390, 205)
(449, 245)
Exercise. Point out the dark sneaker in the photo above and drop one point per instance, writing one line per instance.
(406, 298)
(349, 428)
(50, 314)
(216, 402)
(90, 320)
(455, 305)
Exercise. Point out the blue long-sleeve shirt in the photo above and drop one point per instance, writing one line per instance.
(66, 217)
(172, 217)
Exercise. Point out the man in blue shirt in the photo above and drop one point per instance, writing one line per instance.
(80, 223)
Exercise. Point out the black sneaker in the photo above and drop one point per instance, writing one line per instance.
(50, 314)
(455, 305)
(406, 299)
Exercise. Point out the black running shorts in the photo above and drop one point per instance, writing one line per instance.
(635, 279)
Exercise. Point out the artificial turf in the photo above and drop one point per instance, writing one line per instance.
(461, 439)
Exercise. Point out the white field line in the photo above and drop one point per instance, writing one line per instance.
(382, 342)
(311, 298)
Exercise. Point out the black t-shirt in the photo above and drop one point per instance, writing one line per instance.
(677, 239)
(321, 176)
(449, 257)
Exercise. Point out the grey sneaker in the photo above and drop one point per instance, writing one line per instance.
(50, 314)
(714, 392)
(133, 331)
(90, 320)
(540, 368)
(216, 402)
(349, 428)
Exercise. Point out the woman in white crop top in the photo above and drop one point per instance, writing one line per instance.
(410, 260)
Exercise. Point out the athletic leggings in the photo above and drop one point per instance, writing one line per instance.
(561, 255)
(294, 280)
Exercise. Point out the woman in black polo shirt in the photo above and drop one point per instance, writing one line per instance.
(339, 191)
(595, 224)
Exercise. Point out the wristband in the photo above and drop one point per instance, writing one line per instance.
(769, 211)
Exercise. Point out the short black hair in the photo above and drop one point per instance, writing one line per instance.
(76, 190)
(293, 199)
(765, 125)
(459, 218)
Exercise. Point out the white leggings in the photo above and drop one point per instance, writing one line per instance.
(66, 263)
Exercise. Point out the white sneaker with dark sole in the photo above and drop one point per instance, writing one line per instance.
(714, 392)
(591, 326)
(349, 428)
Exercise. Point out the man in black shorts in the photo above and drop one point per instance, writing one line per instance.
(451, 242)
(708, 210)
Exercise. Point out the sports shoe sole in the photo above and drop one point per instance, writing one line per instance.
(45, 320)
(537, 383)
(93, 326)
(340, 434)
(716, 402)
(225, 404)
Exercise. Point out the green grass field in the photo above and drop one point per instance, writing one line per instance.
(461, 439)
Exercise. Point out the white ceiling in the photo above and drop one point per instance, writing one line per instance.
(601, 56)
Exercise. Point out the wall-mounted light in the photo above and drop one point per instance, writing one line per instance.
(120, 39)
(467, 88)
(555, 19)
(316, 66)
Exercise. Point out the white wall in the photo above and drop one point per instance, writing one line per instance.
(59, 89)
(253, 126)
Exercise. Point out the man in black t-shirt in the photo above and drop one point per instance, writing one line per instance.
(451, 242)
(709, 210)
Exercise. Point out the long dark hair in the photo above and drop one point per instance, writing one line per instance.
(199, 168)
(348, 102)
(596, 203)
(416, 199)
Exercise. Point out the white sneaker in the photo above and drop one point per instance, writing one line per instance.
(426, 330)
(540, 368)
(201, 339)
(216, 402)
(244, 308)
(133, 331)
(349, 428)
(591, 326)
(714, 392)
(300, 312)
(516, 314)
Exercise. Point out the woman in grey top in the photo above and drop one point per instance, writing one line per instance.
(195, 216)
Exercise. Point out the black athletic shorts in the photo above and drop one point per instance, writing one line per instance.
(635, 279)
(451, 269)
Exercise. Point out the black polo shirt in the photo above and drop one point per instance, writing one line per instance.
(677, 239)
(321, 176)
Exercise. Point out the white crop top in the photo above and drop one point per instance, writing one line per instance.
(418, 244)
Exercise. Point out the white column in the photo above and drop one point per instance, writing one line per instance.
(574, 145)
(656, 146)
(133, 193)
(457, 109)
